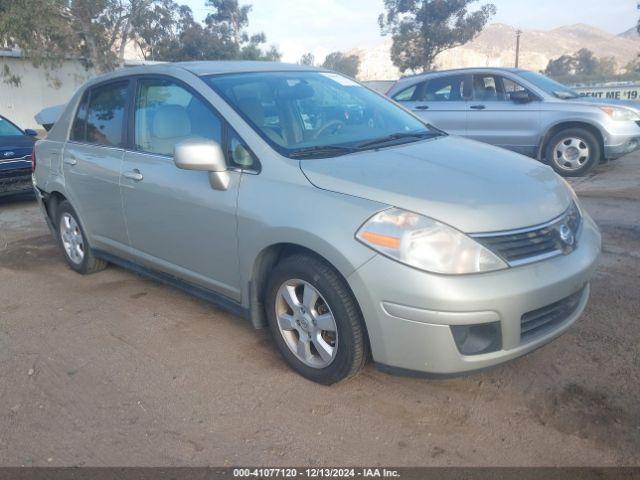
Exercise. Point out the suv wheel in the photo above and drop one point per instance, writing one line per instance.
(573, 152)
(74, 242)
(315, 320)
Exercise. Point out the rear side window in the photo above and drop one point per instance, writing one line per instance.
(79, 130)
(100, 118)
(167, 113)
(445, 89)
(406, 95)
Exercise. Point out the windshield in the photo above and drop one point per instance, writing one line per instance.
(8, 129)
(550, 86)
(317, 113)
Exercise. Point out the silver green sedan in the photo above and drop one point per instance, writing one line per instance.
(305, 202)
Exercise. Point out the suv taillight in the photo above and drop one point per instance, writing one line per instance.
(33, 160)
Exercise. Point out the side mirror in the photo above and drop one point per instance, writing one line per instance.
(203, 155)
(520, 96)
(30, 132)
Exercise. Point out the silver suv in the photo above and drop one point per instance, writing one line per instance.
(301, 200)
(525, 112)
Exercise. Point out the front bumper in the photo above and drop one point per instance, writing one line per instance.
(409, 313)
(621, 139)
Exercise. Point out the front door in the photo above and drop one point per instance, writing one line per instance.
(494, 118)
(92, 161)
(177, 222)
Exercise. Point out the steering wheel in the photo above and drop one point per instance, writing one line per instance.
(336, 124)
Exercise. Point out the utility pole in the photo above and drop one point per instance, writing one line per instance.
(518, 33)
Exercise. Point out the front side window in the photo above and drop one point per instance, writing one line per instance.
(106, 113)
(487, 88)
(299, 111)
(8, 129)
(167, 113)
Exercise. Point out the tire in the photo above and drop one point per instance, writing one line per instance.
(573, 152)
(73, 241)
(301, 274)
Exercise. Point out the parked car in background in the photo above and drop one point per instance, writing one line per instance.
(16, 146)
(304, 201)
(525, 112)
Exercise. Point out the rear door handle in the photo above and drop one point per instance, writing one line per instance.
(422, 107)
(478, 107)
(70, 160)
(134, 175)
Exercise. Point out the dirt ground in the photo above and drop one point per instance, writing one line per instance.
(113, 369)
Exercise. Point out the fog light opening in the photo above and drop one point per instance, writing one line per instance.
(477, 339)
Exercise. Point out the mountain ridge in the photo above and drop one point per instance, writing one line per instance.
(495, 47)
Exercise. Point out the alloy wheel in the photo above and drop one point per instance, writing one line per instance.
(72, 239)
(306, 323)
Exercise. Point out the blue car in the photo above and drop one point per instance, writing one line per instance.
(16, 146)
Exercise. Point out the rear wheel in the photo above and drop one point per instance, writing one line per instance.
(74, 242)
(573, 152)
(315, 320)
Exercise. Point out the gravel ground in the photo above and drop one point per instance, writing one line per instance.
(114, 369)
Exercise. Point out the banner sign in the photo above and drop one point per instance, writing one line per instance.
(620, 92)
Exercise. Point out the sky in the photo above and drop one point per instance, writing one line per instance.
(323, 26)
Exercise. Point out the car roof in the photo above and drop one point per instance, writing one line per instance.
(203, 68)
(222, 67)
(437, 73)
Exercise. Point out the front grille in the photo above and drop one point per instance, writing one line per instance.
(536, 243)
(547, 318)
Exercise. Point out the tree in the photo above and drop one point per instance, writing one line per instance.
(422, 29)
(347, 64)
(582, 65)
(307, 59)
(99, 31)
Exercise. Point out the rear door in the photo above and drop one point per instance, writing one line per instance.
(177, 222)
(441, 101)
(494, 118)
(92, 162)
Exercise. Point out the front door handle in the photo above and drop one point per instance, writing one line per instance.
(134, 175)
(478, 107)
(70, 160)
(422, 107)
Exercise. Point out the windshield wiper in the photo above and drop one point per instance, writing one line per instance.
(321, 151)
(393, 138)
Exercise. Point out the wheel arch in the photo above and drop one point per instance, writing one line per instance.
(566, 125)
(264, 262)
(53, 199)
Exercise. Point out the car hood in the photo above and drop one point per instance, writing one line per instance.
(607, 102)
(471, 186)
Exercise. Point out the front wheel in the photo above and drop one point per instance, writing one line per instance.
(573, 152)
(315, 320)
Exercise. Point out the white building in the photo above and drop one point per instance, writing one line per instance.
(39, 87)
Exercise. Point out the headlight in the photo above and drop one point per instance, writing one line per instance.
(426, 244)
(621, 114)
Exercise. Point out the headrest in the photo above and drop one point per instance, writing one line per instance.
(171, 121)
